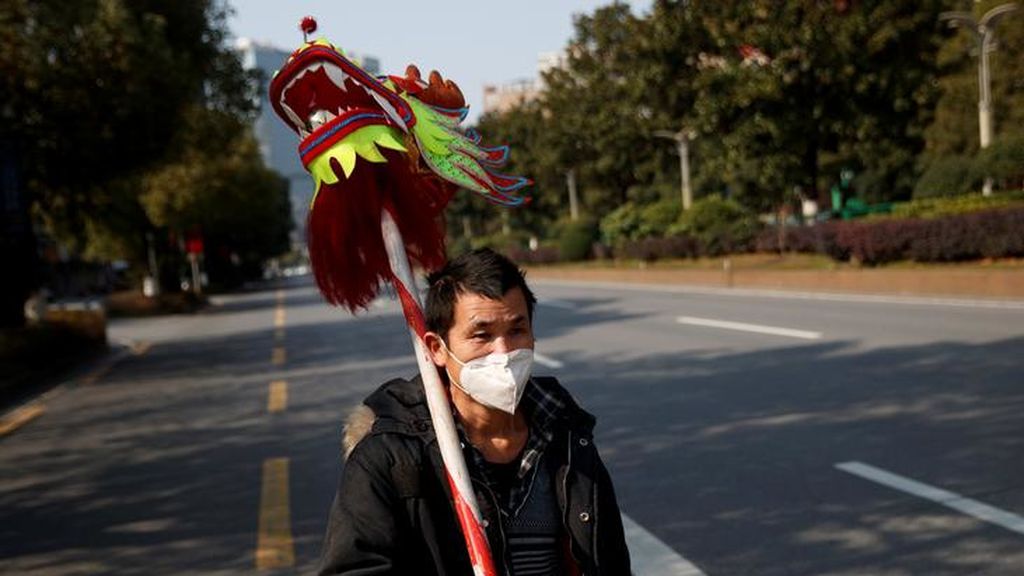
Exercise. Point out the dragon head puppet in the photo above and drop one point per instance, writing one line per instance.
(379, 143)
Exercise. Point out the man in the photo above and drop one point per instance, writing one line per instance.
(546, 498)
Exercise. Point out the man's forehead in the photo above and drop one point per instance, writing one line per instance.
(483, 318)
(473, 308)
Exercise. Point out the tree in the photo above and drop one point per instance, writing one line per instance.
(599, 126)
(215, 184)
(846, 85)
(95, 89)
(93, 95)
(951, 139)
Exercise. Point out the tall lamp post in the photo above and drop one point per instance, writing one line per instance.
(682, 139)
(984, 32)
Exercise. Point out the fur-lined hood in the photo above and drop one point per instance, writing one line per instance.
(357, 426)
(398, 406)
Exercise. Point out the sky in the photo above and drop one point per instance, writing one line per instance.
(472, 42)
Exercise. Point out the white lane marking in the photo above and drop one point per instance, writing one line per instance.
(794, 294)
(742, 326)
(555, 303)
(968, 506)
(652, 557)
(547, 361)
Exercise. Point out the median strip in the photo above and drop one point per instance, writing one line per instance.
(744, 327)
(275, 548)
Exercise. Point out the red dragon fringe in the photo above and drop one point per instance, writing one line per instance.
(346, 248)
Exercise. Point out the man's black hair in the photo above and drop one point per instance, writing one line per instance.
(483, 272)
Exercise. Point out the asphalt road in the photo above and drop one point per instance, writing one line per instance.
(721, 415)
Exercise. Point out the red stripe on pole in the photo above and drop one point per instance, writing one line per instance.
(476, 541)
(413, 314)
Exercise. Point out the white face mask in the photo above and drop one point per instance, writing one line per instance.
(496, 380)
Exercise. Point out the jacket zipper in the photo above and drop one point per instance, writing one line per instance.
(501, 526)
(565, 492)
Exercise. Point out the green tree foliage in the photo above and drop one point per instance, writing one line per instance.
(597, 111)
(524, 128)
(798, 90)
(215, 184)
(1003, 161)
(94, 89)
(952, 138)
(111, 103)
(953, 176)
(782, 98)
(781, 95)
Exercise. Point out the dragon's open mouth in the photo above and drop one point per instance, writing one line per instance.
(325, 97)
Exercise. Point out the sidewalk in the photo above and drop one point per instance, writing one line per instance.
(953, 280)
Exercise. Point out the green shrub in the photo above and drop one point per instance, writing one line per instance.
(621, 224)
(576, 238)
(1004, 162)
(656, 218)
(938, 207)
(950, 176)
(720, 225)
(633, 221)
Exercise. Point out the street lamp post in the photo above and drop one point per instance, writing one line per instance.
(682, 139)
(574, 205)
(984, 32)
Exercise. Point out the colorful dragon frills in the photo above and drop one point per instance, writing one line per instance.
(373, 143)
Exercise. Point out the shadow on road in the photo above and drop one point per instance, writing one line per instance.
(743, 445)
(726, 456)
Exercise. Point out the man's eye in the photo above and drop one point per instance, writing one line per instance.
(481, 336)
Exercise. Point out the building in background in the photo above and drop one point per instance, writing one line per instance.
(278, 144)
(504, 97)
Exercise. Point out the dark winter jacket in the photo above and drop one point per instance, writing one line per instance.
(393, 513)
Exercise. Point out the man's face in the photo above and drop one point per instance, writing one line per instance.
(482, 326)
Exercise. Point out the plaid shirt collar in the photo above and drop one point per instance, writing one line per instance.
(541, 409)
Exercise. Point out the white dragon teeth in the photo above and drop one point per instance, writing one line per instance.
(320, 117)
(336, 74)
(388, 108)
(292, 115)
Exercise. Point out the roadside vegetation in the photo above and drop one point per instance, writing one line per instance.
(125, 145)
(865, 112)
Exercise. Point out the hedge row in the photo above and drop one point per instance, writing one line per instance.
(988, 234)
(972, 236)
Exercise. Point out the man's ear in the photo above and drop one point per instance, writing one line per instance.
(436, 349)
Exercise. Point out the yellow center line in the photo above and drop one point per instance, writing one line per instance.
(18, 418)
(279, 320)
(277, 401)
(274, 548)
(278, 355)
